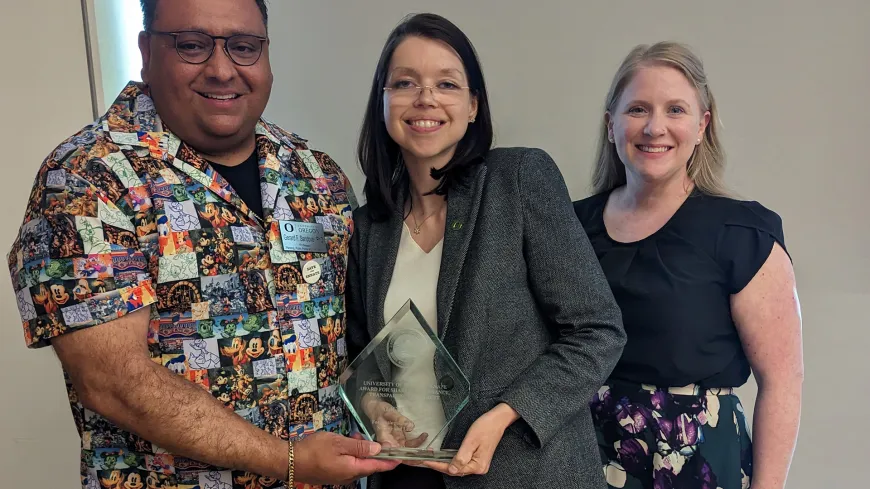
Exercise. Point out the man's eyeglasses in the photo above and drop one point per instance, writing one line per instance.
(444, 93)
(197, 47)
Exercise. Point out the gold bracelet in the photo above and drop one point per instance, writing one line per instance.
(291, 465)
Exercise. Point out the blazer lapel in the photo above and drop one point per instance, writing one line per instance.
(385, 236)
(381, 260)
(463, 202)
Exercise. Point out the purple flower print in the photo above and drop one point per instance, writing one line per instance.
(634, 418)
(659, 400)
(634, 456)
(688, 431)
(602, 404)
(681, 434)
(696, 473)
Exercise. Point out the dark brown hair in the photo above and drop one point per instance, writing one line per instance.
(380, 156)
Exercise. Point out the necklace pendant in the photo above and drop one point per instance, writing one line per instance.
(416, 230)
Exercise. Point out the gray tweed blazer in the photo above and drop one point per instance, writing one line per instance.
(523, 307)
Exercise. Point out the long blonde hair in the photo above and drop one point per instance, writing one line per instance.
(707, 163)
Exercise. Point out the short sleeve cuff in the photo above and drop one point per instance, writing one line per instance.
(62, 313)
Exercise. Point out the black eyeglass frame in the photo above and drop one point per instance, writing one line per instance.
(214, 39)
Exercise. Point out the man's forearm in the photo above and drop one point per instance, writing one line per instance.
(184, 419)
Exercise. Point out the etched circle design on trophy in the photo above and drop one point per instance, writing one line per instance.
(404, 347)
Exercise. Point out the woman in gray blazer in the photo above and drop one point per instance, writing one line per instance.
(486, 243)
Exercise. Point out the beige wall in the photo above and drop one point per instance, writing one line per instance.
(790, 77)
(44, 97)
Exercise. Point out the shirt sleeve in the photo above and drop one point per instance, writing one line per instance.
(76, 261)
(745, 242)
(584, 318)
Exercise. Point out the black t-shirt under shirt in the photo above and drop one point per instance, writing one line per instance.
(245, 180)
(674, 288)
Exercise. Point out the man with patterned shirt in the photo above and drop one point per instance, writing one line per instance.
(196, 338)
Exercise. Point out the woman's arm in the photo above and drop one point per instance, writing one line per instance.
(572, 292)
(768, 319)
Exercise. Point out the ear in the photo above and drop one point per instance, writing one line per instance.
(145, 50)
(267, 55)
(705, 120)
(608, 122)
(472, 113)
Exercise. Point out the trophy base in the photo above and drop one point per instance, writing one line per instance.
(395, 453)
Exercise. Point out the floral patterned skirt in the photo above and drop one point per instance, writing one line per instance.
(672, 438)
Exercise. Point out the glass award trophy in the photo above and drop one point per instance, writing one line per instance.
(404, 389)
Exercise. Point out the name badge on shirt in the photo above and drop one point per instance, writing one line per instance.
(302, 236)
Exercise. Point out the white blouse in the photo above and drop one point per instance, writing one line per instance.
(415, 277)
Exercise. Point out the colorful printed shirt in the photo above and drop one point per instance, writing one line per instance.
(124, 215)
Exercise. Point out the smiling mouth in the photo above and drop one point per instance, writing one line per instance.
(424, 123)
(652, 149)
(214, 96)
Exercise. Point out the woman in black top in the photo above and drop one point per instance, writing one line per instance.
(706, 290)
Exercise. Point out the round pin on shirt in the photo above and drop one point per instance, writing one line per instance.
(312, 271)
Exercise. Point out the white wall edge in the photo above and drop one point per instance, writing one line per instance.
(92, 46)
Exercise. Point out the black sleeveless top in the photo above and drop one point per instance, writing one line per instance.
(674, 288)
